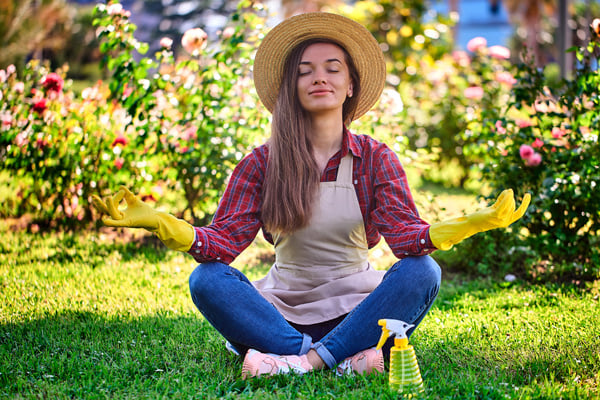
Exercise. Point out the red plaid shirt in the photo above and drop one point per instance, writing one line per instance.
(383, 194)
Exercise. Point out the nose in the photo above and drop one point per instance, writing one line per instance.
(319, 78)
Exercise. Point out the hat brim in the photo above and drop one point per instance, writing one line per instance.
(355, 38)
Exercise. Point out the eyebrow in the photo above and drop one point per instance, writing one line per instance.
(330, 60)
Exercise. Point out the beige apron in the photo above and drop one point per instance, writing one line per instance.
(322, 271)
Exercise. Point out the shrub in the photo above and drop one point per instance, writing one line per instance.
(199, 112)
(546, 143)
(155, 124)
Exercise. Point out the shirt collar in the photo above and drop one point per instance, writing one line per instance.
(350, 144)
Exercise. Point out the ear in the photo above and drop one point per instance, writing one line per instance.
(350, 89)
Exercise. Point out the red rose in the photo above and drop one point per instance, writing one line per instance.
(40, 106)
(53, 82)
(122, 140)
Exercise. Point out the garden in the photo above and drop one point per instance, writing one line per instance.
(88, 311)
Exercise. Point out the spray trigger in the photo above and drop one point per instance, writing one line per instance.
(393, 326)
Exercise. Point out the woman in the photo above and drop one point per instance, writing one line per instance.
(323, 196)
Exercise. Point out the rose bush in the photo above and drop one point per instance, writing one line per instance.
(55, 145)
(545, 142)
(451, 93)
(159, 123)
(199, 112)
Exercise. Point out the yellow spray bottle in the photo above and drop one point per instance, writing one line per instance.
(405, 375)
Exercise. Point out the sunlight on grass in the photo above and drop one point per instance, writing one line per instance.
(87, 316)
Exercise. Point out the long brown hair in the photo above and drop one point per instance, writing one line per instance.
(292, 176)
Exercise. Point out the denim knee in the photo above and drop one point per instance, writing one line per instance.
(206, 279)
(423, 269)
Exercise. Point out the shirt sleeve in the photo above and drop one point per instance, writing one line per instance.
(237, 220)
(395, 214)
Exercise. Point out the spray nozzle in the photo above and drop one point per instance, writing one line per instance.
(395, 327)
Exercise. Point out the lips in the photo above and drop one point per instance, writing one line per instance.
(319, 92)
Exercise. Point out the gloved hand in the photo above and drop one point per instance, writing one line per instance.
(175, 233)
(500, 215)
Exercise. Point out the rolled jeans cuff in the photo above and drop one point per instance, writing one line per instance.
(324, 354)
(306, 344)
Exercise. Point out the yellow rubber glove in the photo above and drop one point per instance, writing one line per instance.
(500, 215)
(175, 233)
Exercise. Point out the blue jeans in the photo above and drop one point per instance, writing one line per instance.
(247, 320)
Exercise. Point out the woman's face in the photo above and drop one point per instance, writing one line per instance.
(323, 79)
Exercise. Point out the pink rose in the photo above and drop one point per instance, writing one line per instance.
(505, 78)
(7, 119)
(476, 44)
(461, 58)
(166, 43)
(557, 132)
(19, 87)
(194, 40)
(523, 123)
(526, 151)
(228, 32)
(119, 163)
(118, 10)
(499, 128)
(190, 133)
(53, 82)
(473, 93)
(537, 143)
(534, 160)
(499, 52)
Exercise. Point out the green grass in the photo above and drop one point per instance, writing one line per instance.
(91, 316)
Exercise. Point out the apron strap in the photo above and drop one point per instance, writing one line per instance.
(344, 174)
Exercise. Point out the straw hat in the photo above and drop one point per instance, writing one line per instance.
(355, 38)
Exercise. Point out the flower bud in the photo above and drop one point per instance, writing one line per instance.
(194, 40)
(596, 26)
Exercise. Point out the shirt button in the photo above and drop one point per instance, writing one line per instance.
(199, 243)
(422, 241)
(356, 182)
(198, 252)
(405, 254)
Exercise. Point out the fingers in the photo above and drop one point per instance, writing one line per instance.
(509, 203)
(505, 204)
(521, 211)
(116, 223)
(99, 204)
(111, 206)
(112, 203)
(129, 196)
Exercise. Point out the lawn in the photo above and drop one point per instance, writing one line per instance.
(102, 316)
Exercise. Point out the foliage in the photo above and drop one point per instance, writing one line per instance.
(409, 32)
(199, 111)
(441, 90)
(453, 92)
(58, 147)
(85, 315)
(156, 124)
(546, 143)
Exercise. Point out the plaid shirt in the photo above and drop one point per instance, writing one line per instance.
(383, 194)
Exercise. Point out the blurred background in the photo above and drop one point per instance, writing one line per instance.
(62, 31)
